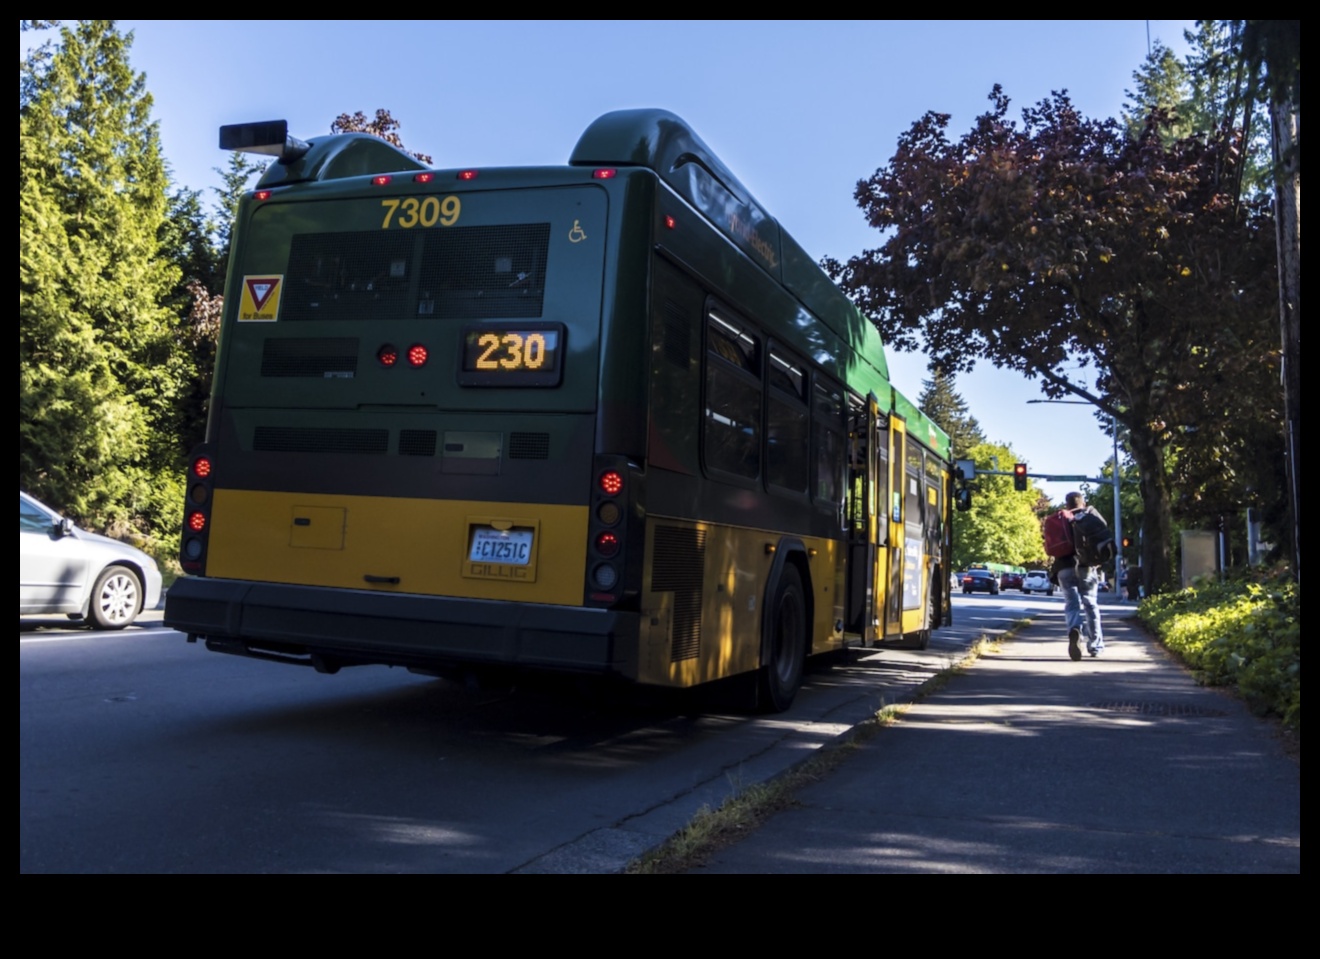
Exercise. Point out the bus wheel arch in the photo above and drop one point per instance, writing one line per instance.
(786, 633)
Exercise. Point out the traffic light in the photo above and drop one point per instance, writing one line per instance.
(1127, 541)
(1020, 477)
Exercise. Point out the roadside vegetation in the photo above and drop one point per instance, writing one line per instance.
(1243, 633)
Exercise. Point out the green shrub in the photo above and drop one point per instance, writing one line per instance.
(1244, 632)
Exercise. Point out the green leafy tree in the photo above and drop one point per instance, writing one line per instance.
(1231, 455)
(942, 403)
(1113, 270)
(197, 240)
(99, 377)
(1268, 56)
(1002, 526)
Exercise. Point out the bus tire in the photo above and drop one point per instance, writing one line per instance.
(786, 652)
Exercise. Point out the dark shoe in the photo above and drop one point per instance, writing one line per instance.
(1074, 651)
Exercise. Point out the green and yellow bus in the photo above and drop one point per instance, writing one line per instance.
(605, 417)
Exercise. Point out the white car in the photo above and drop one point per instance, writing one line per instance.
(64, 569)
(1037, 581)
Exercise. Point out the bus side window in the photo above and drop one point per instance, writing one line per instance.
(733, 397)
(828, 442)
(788, 463)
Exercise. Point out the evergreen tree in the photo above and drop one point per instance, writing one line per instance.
(98, 372)
(942, 403)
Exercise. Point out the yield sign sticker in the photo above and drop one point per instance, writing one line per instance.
(260, 301)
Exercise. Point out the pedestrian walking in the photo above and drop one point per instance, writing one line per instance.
(1080, 585)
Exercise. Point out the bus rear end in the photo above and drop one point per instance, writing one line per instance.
(402, 460)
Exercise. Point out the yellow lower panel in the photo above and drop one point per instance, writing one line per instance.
(735, 567)
(394, 545)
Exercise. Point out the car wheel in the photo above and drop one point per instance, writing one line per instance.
(116, 598)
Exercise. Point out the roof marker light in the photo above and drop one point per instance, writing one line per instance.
(382, 180)
(423, 177)
(262, 194)
(670, 222)
(605, 173)
(467, 174)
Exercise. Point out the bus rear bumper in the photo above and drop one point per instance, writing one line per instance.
(331, 628)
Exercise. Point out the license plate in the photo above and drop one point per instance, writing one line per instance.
(512, 547)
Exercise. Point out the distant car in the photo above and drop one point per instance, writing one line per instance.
(64, 569)
(982, 580)
(1037, 581)
(1010, 580)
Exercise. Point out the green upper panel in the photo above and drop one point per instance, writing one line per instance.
(341, 155)
(661, 141)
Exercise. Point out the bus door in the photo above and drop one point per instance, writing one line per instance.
(894, 516)
(862, 519)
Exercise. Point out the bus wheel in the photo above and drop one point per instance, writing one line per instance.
(781, 674)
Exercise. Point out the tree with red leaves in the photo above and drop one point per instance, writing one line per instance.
(1120, 271)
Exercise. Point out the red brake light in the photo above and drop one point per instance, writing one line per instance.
(670, 222)
(417, 355)
(197, 522)
(387, 355)
(202, 467)
(607, 544)
(611, 483)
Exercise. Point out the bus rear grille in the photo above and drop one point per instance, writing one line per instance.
(307, 439)
(529, 446)
(678, 565)
(310, 357)
(417, 442)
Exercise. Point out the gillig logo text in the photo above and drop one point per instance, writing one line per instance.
(747, 233)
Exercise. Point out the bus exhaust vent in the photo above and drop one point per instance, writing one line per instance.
(318, 358)
(306, 439)
(529, 446)
(417, 442)
(678, 565)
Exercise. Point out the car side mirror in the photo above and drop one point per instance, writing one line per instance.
(62, 528)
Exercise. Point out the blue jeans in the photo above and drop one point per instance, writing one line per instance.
(1080, 608)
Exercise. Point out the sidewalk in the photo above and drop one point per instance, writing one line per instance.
(1031, 763)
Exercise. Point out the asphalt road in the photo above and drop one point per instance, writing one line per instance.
(142, 753)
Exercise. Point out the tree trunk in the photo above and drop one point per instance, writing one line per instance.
(1288, 224)
(1156, 570)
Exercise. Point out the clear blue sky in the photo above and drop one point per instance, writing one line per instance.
(800, 110)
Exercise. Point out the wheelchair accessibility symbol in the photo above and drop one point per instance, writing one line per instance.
(577, 234)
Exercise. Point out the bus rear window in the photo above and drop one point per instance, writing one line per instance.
(453, 273)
